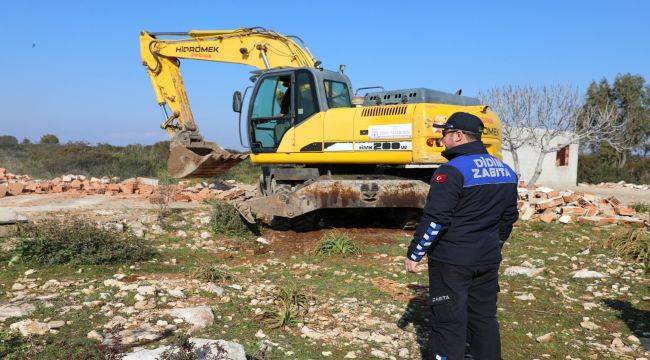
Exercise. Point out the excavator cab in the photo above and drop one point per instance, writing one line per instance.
(284, 98)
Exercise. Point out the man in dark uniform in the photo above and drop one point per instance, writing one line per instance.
(470, 209)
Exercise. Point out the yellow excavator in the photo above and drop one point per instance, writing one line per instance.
(320, 146)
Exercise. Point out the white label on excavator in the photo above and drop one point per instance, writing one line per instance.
(382, 146)
(391, 131)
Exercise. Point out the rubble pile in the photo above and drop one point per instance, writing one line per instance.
(567, 206)
(620, 184)
(12, 185)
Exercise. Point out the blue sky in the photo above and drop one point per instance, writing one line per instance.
(72, 68)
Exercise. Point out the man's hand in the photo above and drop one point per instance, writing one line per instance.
(410, 265)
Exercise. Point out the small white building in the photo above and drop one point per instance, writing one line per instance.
(559, 169)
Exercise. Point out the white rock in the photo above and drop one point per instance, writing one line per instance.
(213, 288)
(312, 334)
(55, 324)
(522, 270)
(29, 272)
(260, 334)
(379, 338)
(326, 353)
(526, 297)
(52, 283)
(403, 353)
(379, 354)
(10, 310)
(146, 290)
(262, 240)
(589, 325)
(588, 274)
(204, 349)
(199, 317)
(350, 355)
(546, 338)
(181, 233)
(205, 235)
(30, 327)
(177, 293)
(18, 287)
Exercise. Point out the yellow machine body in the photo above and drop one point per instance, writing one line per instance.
(405, 129)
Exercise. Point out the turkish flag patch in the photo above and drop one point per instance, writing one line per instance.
(440, 178)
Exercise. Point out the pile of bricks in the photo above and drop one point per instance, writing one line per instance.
(566, 207)
(622, 184)
(12, 185)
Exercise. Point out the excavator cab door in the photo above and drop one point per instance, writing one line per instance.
(271, 111)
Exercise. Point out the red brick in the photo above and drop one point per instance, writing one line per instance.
(573, 210)
(550, 203)
(614, 201)
(597, 220)
(15, 188)
(569, 198)
(145, 189)
(128, 187)
(592, 211)
(624, 211)
(548, 216)
(3, 190)
(75, 184)
(113, 187)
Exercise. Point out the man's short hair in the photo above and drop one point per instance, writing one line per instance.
(471, 137)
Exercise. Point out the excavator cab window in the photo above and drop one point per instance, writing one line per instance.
(306, 104)
(270, 117)
(337, 94)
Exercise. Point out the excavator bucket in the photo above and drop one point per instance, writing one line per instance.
(205, 160)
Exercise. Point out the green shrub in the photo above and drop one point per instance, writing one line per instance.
(12, 345)
(49, 139)
(631, 243)
(593, 169)
(78, 242)
(640, 207)
(336, 243)
(225, 219)
(210, 273)
(244, 172)
(290, 305)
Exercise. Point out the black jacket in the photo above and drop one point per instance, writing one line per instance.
(470, 209)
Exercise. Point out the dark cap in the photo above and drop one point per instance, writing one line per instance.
(464, 122)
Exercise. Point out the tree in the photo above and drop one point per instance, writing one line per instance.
(632, 100)
(49, 139)
(8, 140)
(26, 141)
(549, 118)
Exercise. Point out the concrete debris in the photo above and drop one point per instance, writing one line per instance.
(567, 207)
(620, 184)
(13, 185)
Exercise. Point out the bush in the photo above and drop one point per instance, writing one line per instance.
(51, 160)
(12, 345)
(290, 305)
(49, 139)
(226, 220)
(8, 140)
(80, 243)
(631, 243)
(640, 207)
(210, 273)
(335, 243)
(592, 169)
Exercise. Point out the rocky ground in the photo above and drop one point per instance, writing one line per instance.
(563, 296)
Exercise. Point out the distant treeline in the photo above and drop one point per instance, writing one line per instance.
(47, 160)
(50, 160)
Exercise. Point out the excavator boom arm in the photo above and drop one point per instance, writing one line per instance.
(161, 54)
